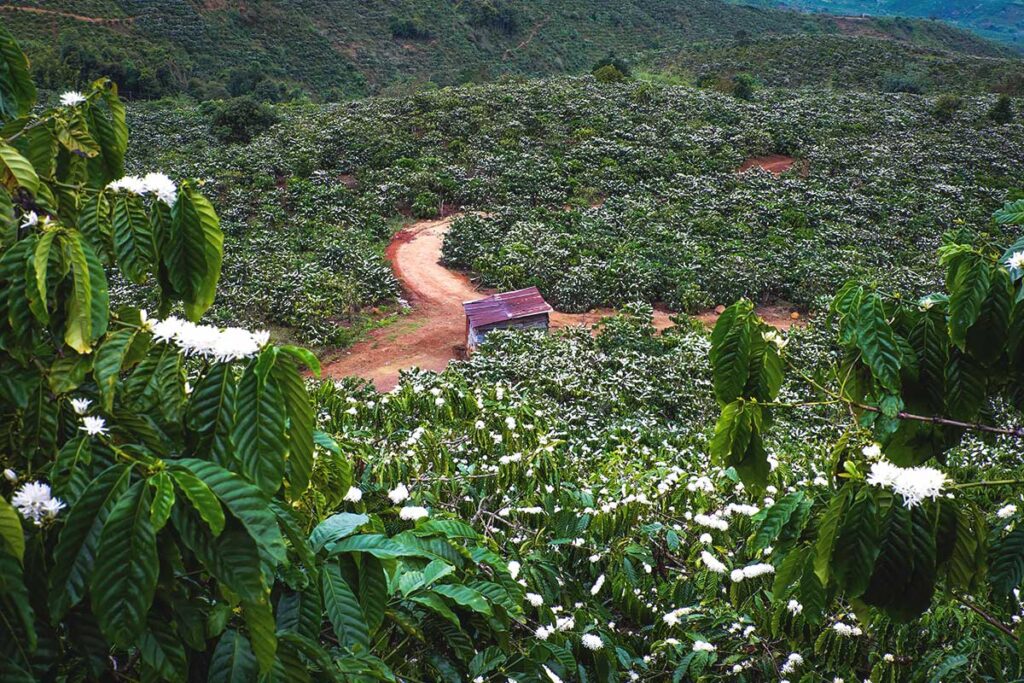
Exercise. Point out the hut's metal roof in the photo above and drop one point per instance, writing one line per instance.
(497, 308)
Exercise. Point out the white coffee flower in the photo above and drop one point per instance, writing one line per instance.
(535, 599)
(513, 569)
(1006, 511)
(35, 502)
(591, 641)
(80, 405)
(353, 495)
(72, 98)
(93, 425)
(703, 646)
(1016, 260)
(913, 483)
(411, 513)
(399, 494)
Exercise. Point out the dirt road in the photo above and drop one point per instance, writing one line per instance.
(429, 335)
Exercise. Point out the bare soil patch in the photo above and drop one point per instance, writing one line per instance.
(432, 334)
(773, 163)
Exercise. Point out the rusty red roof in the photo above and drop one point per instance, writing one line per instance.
(497, 308)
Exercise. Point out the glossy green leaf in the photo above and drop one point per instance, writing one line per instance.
(202, 498)
(12, 537)
(343, 609)
(124, 575)
(79, 538)
(233, 660)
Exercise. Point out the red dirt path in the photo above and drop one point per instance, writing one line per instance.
(69, 15)
(429, 336)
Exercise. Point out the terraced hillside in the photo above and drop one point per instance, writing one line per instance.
(336, 49)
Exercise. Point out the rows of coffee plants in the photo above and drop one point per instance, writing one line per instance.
(598, 194)
(179, 503)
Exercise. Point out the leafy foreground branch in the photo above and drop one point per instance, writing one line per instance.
(183, 508)
(894, 532)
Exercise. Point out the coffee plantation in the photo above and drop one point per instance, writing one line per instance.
(184, 499)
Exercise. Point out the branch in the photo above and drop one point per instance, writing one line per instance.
(986, 616)
(1017, 432)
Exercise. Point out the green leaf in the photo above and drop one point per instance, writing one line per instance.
(737, 442)
(211, 412)
(373, 591)
(965, 386)
(110, 359)
(828, 531)
(244, 501)
(40, 263)
(12, 537)
(466, 597)
(776, 517)
(259, 618)
(437, 604)
(202, 498)
(163, 499)
(335, 528)
(133, 238)
(124, 576)
(79, 538)
(261, 421)
(343, 608)
(1006, 567)
(162, 650)
(193, 251)
(948, 666)
(17, 170)
(301, 422)
(87, 310)
(968, 282)
(17, 92)
(232, 558)
(1011, 214)
(877, 343)
(730, 351)
(857, 544)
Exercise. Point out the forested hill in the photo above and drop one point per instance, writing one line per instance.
(999, 19)
(840, 61)
(331, 49)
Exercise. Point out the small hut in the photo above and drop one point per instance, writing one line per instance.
(521, 309)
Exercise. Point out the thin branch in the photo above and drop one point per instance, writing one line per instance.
(986, 616)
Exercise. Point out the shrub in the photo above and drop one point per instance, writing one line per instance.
(621, 65)
(1002, 111)
(946, 107)
(241, 119)
(609, 74)
(743, 86)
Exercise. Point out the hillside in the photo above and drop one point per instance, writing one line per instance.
(997, 19)
(338, 49)
(843, 62)
(649, 174)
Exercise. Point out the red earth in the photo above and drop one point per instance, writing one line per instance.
(433, 333)
(773, 163)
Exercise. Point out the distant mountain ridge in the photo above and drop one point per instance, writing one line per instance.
(333, 49)
(997, 19)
